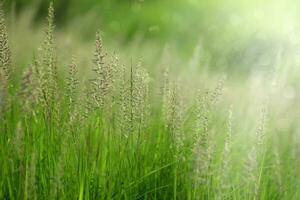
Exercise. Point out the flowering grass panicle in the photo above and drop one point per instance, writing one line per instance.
(204, 105)
(112, 97)
(86, 101)
(103, 81)
(5, 54)
(141, 104)
(261, 129)
(165, 97)
(5, 66)
(46, 68)
(217, 92)
(72, 84)
(124, 104)
(28, 91)
(49, 56)
(256, 156)
(115, 76)
(172, 110)
(224, 179)
(203, 144)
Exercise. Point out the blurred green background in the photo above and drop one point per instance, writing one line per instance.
(233, 35)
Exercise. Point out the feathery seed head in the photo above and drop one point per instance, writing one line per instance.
(72, 82)
(5, 54)
(86, 100)
(124, 114)
(103, 81)
(203, 147)
(226, 158)
(166, 95)
(173, 114)
(255, 155)
(46, 69)
(140, 94)
(28, 91)
(261, 129)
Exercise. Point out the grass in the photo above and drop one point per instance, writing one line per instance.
(124, 133)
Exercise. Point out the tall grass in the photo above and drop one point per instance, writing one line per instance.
(111, 136)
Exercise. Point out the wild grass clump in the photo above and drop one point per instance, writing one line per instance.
(110, 136)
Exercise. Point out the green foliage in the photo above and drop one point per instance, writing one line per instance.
(227, 30)
(124, 133)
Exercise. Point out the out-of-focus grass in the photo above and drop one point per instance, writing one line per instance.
(234, 35)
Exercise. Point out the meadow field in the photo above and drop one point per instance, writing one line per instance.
(143, 108)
